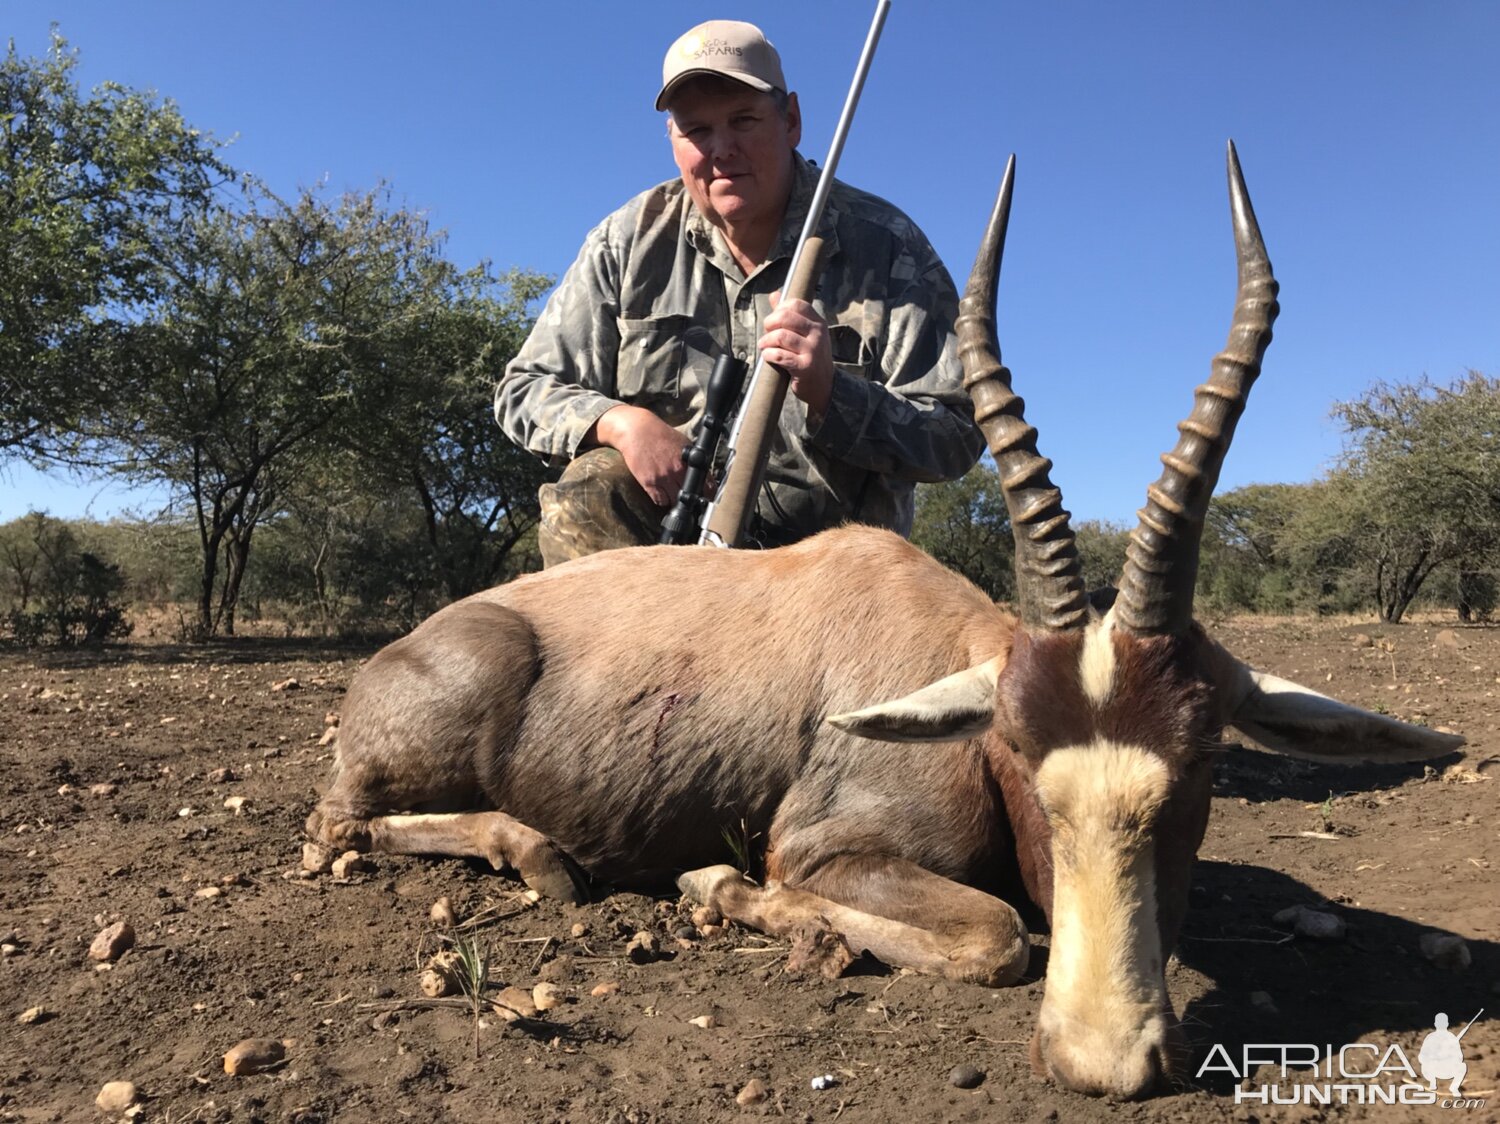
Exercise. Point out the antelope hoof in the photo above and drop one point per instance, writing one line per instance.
(702, 884)
(552, 876)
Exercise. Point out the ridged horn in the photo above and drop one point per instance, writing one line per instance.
(1049, 584)
(1161, 561)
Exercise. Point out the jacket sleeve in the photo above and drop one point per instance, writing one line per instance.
(911, 419)
(561, 381)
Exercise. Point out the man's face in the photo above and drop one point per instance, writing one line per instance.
(734, 151)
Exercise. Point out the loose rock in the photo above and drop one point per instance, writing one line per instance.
(442, 914)
(513, 1003)
(753, 1093)
(253, 1055)
(579, 929)
(286, 685)
(330, 736)
(1312, 923)
(441, 976)
(1447, 951)
(1447, 638)
(105, 789)
(116, 1096)
(707, 915)
(352, 862)
(546, 996)
(33, 1015)
(1262, 1000)
(209, 892)
(1362, 641)
(643, 948)
(113, 942)
(236, 804)
(610, 987)
(707, 1022)
(965, 1077)
(316, 858)
(222, 775)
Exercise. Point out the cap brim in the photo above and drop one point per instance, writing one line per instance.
(744, 79)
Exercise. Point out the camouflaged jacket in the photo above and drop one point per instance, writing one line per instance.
(655, 297)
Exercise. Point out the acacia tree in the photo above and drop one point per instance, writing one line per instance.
(273, 323)
(1420, 483)
(436, 434)
(964, 524)
(90, 188)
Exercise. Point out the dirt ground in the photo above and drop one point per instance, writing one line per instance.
(231, 943)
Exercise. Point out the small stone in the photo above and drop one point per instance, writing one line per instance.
(1448, 951)
(222, 775)
(1261, 1000)
(609, 987)
(579, 929)
(184, 813)
(351, 862)
(286, 685)
(383, 991)
(33, 1015)
(707, 1022)
(236, 804)
(112, 942)
(533, 896)
(116, 1096)
(707, 932)
(331, 718)
(316, 858)
(253, 1055)
(1360, 640)
(685, 933)
(385, 1020)
(8, 949)
(1312, 923)
(209, 892)
(546, 996)
(517, 1002)
(965, 1077)
(643, 948)
(105, 789)
(1447, 638)
(330, 736)
(753, 1093)
(558, 970)
(825, 1081)
(441, 914)
(707, 915)
(441, 976)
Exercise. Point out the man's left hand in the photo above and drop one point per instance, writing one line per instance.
(796, 340)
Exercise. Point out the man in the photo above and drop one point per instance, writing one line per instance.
(612, 377)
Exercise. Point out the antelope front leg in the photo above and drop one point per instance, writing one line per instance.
(959, 933)
(506, 842)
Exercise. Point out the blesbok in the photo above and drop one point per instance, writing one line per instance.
(611, 717)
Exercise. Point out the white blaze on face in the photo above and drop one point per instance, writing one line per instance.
(1104, 1012)
(1096, 670)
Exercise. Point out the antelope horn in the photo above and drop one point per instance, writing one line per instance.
(1161, 562)
(1049, 585)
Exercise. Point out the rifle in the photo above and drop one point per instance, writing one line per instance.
(727, 516)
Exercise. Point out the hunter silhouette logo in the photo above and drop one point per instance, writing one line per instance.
(1356, 1073)
(1441, 1057)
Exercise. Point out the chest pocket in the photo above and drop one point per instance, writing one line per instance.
(852, 353)
(663, 365)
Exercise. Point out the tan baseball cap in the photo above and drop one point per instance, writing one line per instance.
(730, 48)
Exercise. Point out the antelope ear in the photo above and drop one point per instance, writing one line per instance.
(1295, 720)
(953, 708)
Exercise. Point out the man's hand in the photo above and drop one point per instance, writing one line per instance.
(796, 340)
(652, 450)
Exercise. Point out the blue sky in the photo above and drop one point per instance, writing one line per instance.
(1369, 131)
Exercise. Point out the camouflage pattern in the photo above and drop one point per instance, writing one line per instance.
(655, 297)
(596, 505)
